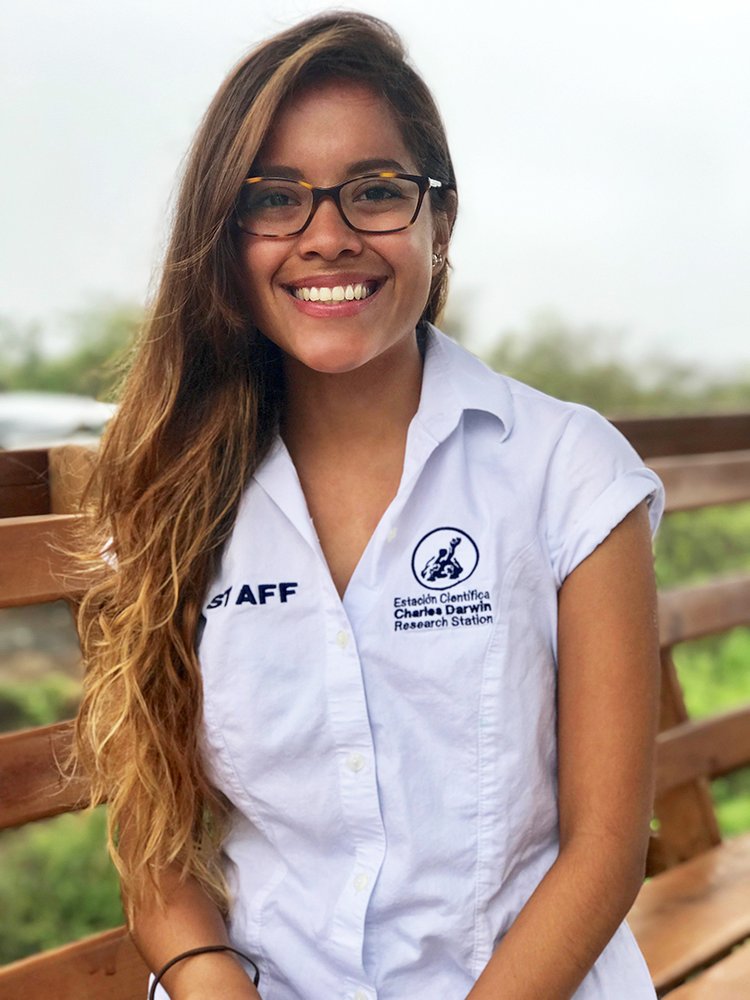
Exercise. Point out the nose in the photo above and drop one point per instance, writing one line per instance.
(327, 234)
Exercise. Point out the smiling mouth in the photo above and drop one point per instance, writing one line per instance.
(334, 293)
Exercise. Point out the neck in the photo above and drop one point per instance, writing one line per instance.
(338, 412)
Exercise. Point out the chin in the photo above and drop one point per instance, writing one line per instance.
(333, 362)
(333, 355)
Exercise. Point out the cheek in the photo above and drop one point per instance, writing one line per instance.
(258, 267)
(423, 256)
(415, 254)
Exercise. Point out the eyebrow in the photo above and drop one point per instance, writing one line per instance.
(353, 170)
(363, 166)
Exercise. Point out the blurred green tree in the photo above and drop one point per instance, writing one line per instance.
(99, 341)
(586, 365)
(57, 884)
(583, 364)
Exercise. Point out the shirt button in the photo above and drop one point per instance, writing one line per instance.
(391, 535)
(342, 639)
(360, 882)
(361, 995)
(355, 762)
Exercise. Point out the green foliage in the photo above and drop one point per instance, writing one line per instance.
(51, 698)
(57, 884)
(100, 339)
(586, 366)
(693, 546)
(581, 364)
(715, 677)
(714, 672)
(732, 800)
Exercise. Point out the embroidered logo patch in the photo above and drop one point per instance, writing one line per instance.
(443, 558)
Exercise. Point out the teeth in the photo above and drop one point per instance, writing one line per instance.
(338, 293)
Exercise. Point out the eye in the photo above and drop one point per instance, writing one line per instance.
(274, 199)
(269, 196)
(377, 190)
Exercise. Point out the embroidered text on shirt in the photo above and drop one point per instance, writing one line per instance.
(246, 595)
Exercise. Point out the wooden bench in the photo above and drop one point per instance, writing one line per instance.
(692, 918)
(38, 495)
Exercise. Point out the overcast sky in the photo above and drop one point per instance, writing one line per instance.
(602, 151)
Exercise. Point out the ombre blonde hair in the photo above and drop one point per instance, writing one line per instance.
(198, 410)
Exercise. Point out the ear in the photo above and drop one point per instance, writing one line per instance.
(443, 222)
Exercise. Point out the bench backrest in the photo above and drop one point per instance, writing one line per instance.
(39, 492)
(702, 461)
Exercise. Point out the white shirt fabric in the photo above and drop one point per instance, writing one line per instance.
(392, 757)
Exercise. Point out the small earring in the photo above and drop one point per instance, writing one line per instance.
(437, 259)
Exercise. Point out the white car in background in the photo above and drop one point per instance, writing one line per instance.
(40, 419)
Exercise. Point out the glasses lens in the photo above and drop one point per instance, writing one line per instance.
(269, 207)
(377, 204)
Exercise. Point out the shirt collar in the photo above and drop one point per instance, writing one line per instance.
(454, 381)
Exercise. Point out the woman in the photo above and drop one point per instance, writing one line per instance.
(372, 689)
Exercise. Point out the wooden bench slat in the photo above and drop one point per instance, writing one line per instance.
(23, 467)
(31, 783)
(705, 748)
(703, 480)
(103, 967)
(687, 916)
(691, 435)
(34, 567)
(728, 979)
(692, 612)
(686, 814)
(17, 501)
(24, 483)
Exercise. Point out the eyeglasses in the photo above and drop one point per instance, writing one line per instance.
(385, 202)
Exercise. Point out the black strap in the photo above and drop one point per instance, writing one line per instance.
(200, 951)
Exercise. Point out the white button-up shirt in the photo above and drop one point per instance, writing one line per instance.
(391, 756)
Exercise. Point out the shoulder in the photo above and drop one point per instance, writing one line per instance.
(572, 430)
(577, 458)
(578, 471)
(536, 424)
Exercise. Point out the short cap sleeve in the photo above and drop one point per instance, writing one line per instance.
(595, 478)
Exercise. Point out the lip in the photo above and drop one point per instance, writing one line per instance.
(331, 280)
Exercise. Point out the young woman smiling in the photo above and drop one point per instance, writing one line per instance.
(372, 666)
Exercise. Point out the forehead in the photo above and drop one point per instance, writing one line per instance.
(331, 127)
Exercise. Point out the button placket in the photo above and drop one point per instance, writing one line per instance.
(360, 799)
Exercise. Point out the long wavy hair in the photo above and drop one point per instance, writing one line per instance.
(197, 412)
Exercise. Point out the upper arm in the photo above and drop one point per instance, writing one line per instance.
(608, 689)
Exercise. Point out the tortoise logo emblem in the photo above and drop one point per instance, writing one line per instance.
(443, 558)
